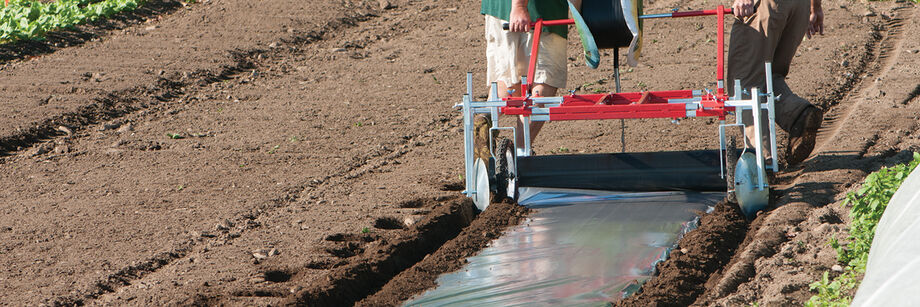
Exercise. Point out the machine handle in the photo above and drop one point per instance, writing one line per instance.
(558, 22)
(506, 26)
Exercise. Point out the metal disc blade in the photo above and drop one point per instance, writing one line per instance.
(481, 182)
(750, 198)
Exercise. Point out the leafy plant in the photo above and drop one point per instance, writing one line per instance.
(868, 204)
(174, 136)
(29, 19)
(832, 293)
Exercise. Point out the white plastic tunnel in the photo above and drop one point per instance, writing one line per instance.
(893, 271)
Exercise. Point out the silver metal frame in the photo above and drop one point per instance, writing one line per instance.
(541, 114)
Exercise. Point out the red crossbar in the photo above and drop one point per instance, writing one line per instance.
(652, 104)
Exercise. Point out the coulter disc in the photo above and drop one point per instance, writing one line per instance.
(481, 182)
(750, 198)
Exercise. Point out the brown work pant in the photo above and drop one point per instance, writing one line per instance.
(772, 34)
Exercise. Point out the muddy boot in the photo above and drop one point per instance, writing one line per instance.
(802, 135)
(481, 126)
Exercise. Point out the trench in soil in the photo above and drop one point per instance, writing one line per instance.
(578, 247)
(487, 246)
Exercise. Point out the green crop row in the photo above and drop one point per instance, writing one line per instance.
(26, 19)
(868, 204)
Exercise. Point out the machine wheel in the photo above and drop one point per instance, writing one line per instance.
(731, 159)
(750, 198)
(505, 171)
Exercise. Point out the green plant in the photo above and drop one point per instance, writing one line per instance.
(365, 230)
(174, 136)
(29, 19)
(832, 292)
(868, 204)
(274, 149)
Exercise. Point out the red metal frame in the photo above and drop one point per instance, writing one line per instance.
(650, 104)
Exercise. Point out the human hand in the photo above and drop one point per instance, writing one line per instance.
(519, 20)
(816, 22)
(743, 8)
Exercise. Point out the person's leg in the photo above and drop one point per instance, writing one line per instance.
(748, 42)
(549, 75)
(766, 36)
(797, 116)
(539, 90)
(502, 48)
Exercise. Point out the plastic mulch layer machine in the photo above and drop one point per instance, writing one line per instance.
(741, 172)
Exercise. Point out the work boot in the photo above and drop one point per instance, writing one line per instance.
(802, 135)
(481, 126)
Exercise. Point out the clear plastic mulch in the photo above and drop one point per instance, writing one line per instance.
(579, 247)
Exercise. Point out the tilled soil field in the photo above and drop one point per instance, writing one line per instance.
(307, 152)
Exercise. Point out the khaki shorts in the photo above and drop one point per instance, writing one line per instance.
(508, 55)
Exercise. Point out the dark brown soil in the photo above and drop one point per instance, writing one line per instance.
(488, 226)
(381, 261)
(701, 252)
(233, 152)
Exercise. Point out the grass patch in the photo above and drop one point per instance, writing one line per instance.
(867, 206)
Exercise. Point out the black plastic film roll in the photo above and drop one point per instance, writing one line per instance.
(606, 22)
(653, 171)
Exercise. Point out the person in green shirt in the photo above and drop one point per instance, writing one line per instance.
(508, 54)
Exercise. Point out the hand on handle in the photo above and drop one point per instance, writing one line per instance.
(520, 19)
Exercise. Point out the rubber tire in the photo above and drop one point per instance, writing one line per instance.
(504, 174)
(731, 161)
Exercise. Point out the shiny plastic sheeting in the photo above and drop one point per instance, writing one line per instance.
(580, 247)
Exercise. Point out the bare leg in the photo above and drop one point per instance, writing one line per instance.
(539, 90)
